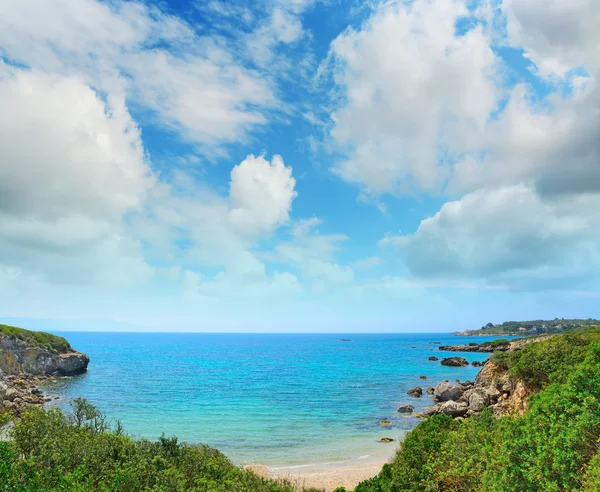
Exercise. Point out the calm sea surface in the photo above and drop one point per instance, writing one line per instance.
(274, 399)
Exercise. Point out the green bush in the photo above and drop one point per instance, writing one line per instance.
(36, 338)
(552, 447)
(83, 451)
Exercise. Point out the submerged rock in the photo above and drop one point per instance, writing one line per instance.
(406, 409)
(385, 422)
(433, 357)
(415, 392)
(386, 439)
(454, 362)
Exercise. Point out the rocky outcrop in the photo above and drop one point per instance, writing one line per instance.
(24, 364)
(446, 391)
(475, 347)
(492, 388)
(433, 357)
(18, 357)
(454, 362)
(406, 409)
(415, 392)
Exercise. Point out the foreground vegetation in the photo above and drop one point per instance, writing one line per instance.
(36, 338)
(553, 447)
(82, 451)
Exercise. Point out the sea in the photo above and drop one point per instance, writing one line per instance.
(274, 399)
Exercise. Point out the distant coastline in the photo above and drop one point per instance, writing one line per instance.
(528, 328)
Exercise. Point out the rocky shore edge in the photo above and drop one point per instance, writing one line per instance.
(24, 366)
(492, 388)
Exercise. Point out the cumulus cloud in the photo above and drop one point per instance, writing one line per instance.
(70, 173)
(557, 36)
(261, 194)
(192, 85)
(509, 234)
(415, 93)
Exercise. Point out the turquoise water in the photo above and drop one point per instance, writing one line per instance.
(273, 399)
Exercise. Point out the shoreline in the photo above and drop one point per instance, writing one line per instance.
(328, 475)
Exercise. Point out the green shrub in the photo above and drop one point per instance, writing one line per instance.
(552, 447)
(36, 338)
(84, 451)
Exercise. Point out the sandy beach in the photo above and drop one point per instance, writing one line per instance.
(326, 476)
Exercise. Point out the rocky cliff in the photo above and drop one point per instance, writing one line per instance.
(492, 388)
(21, 357)
(28, 358)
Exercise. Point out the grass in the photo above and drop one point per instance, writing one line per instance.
(36, 338)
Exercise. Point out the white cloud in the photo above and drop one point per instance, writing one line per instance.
(557, 36)
(192, 84)
(415, 92)
(509, 234)
(72, 167)
(261, 194)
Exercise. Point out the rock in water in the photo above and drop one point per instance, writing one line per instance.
(386, 439)
(433, 357)
(406, 409)
(416, 392)
(430, 390)
(454, 362)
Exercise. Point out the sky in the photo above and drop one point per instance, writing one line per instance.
(298, 165)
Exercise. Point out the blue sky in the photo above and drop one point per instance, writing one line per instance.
(423, 165)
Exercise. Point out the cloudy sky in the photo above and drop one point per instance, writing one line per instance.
(298, 165)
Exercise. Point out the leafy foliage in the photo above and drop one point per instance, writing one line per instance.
(552, 447)
(84, 451)
(36, 338)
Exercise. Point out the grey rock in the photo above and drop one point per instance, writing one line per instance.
(447, 391)
(406, 409)
(453, 408)
(477, 399)
(416, 392)
(433, 357)
(454, 362)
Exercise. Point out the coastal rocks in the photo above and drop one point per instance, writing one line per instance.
(446, 391)
(17, 357)
(415, 392)
(475, 347)
(433, 357)
(430, 390)
(406, 409)
(385, 423)
(454, 362)
(25, 361)
(422, 377)
(476, 363)
(3, 390)
(386, 439)
(477, 399)
(453, 408)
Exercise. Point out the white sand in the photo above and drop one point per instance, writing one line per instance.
(326, 476)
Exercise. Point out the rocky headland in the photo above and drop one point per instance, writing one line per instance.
(29, 358)
(492, 388)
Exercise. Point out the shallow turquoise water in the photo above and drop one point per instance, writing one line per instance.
(274, 399)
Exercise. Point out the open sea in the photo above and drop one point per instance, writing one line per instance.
(263, 398)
